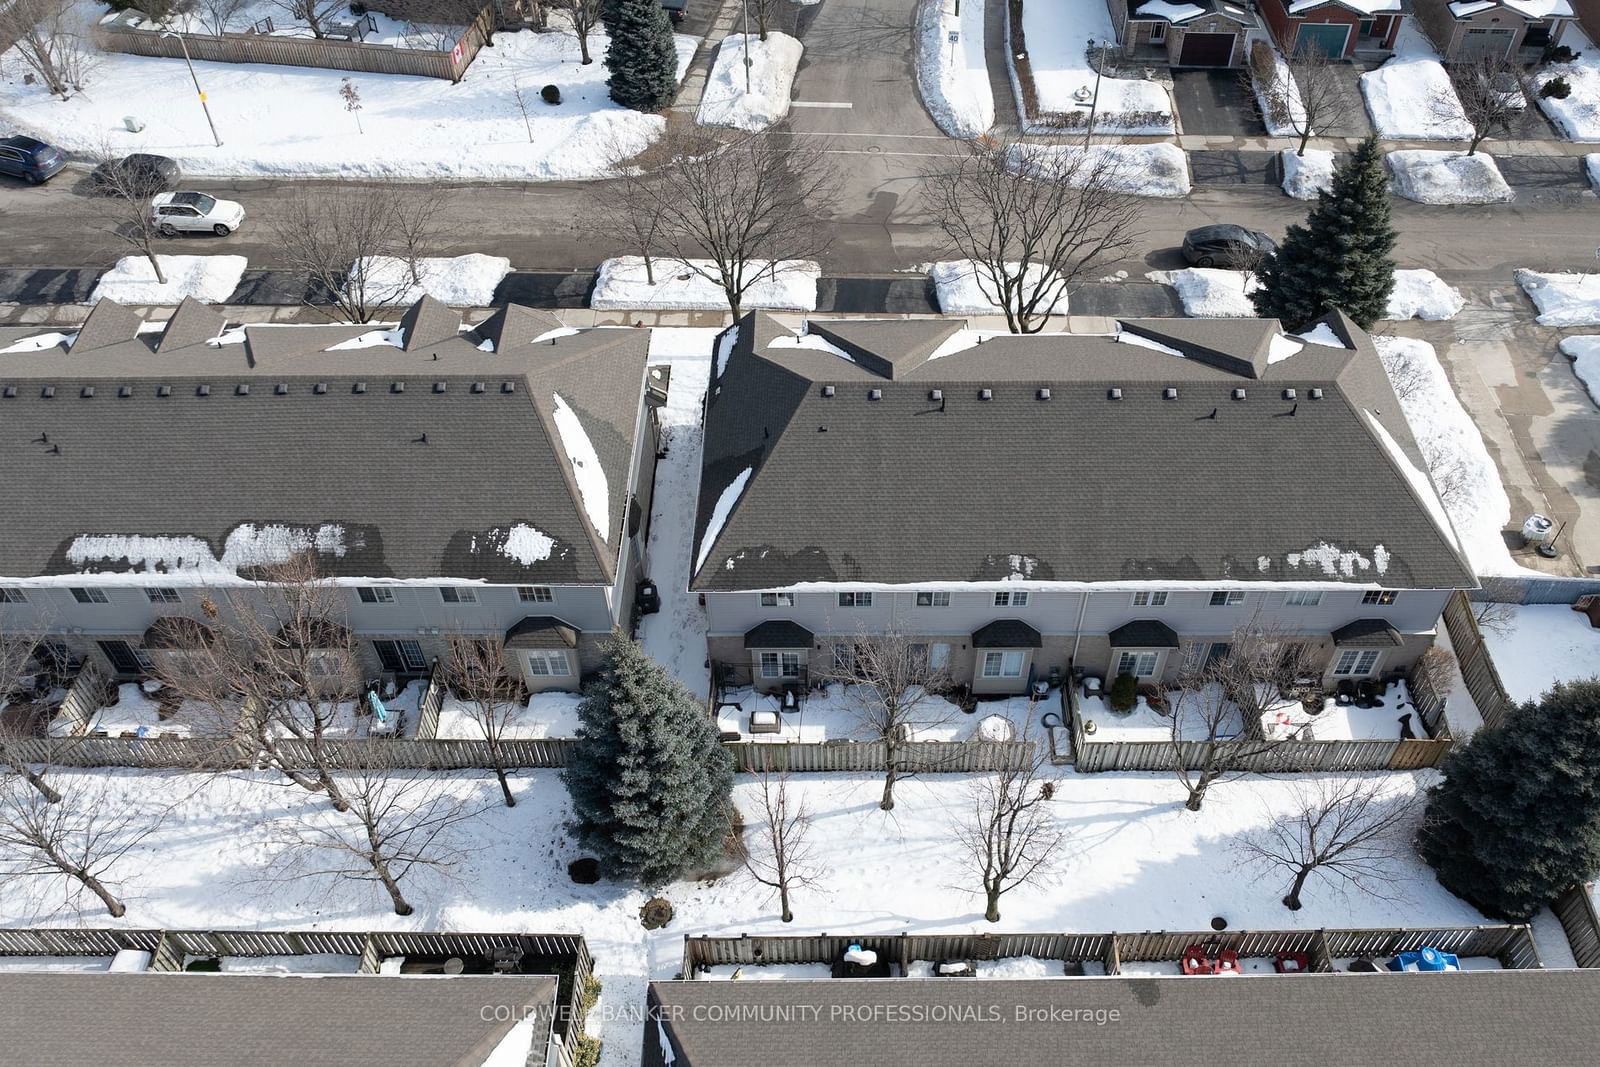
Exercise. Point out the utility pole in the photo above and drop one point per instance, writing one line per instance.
(196, 79)
(746, 6)
(1094, 101)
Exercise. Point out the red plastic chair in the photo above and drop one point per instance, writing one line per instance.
(1195, 961)
(1227, 962)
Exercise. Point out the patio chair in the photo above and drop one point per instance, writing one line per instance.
(1226, 962)
(1345, 694)
(764, 721)
(1195, 961)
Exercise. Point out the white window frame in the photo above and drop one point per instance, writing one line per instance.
(779, 664)
(933, 599)
(1143, 664)
(1150, 598)
(457, 594)
(1158, 32)
(374, 594)
(777, 600)
(939, 655)
(1302, 598)
(1230, 598)
(535, 594)
(855, 600)
(162, 594)
(1380, 598)
(85, 594)
(1011, 599)
(1356, 657)
(1003, 664)
(544, 663)
(12, 594)
(844, 657)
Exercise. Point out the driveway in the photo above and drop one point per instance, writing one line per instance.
(1216, 102)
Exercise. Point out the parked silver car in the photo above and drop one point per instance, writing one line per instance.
(175, 213)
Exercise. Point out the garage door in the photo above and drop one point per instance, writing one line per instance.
(1326, 37)
(1206, 50)
(1479, 43)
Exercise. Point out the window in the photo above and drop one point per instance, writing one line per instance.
(780, 664)
(125, 658)
(1226, 598)
(1356, 662)
(1149, 599)
(933, 600)
(454, 595)
(1138, 664)
(1302, 598)
(162, 595)
(1002, 664)
(10, 594)
(855, 600)
(1381, 597)
(1013, 600)
(88, 596)
(401, 657)
(371, 594)
(1158, 33)
(777, 600)
(939, 656)
(535, 594)
(844, 659)
(548, 663)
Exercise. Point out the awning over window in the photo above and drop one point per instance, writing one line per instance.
(1144, 633)
(1367, 633)
(778, 633)
(542, 631)
(180, 632)
(1006, 633)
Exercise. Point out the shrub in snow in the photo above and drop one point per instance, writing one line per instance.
(1340, 257)
(1516, 821)
(641, 57)
(656, 913)
(649, 779)
(1124, 693)
(1560, 54)
(1558, 88)
(550, 94)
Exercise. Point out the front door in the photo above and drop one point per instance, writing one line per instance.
(1328, 38)
(401, 657)
(125, 659)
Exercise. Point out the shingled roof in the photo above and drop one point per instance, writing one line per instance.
(1215, 455)
(438, 460)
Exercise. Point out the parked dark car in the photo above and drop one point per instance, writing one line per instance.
(31, 160)
(678, 10)
(139, 175)
(1226, 245)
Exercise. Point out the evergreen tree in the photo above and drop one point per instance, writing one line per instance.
(649, 779)
(1340, 257)
(608, 13)
(1516, 820)
(641, 58)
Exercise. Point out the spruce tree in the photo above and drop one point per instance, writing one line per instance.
(641, 57)
(1516, 820)
(649, 779)
(1340, 257)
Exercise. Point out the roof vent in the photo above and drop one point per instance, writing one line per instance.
(1170, 393)
(508, 387)
(1316, 394)
(48, 392)
(1288, 394)
(241, 389)
(1113, 394)
(827, 390)
(359, 387)
(10, 392)
(985, 394)
(1044, 394)
(1238, 394)
(397, 387)
(478, 387)
(125, 391)
(320, 388)
(202, 390)
(874, 394)
(439, 387)
(163, 390)
(86, 392)
(282, 388)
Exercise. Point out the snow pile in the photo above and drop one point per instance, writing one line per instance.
(1141, 169)
(965, 287)
(1320, 334)
(461, 281)
(954, 83)
(1578, 116)
(549, 714)
(1289, 117)
(1585, 355)
(1563, 299)
(621, 286)
(1422, 294)
(1410, 96)
(1538, 645)
(1306, 176)
(1064, 83)
(209, 279)
(1210, 292)
(773, 63)
(1447, 177)
(1453, 449)
(527, 544)
(287, 120)
(586, 470)
(719, 515)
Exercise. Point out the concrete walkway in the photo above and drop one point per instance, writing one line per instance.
(694, 81)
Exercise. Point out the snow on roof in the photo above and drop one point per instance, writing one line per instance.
(1333, 560)
(1173, 13)
(1128, 338)
(395, 337)
(725, 345)
(586, 469)
(807, 340)
(719, 515)
(1533, 9)
(1366, 7)
(39, 342)
(1321, 334)
(526, 544)
(247, 546)
(1281, 347)
(1420, 485)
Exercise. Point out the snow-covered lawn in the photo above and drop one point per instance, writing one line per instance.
(1422, 294)
(291, 121)
(954, 84)
(1585, 355)
(1306, 176)
(964, 290)
(138, 713)
(1210, 292)
(1141, 169)
(1057, 34)
(1473, 497)
(395, 33)
(462, 281)
(1334, 722)
(209, 279)
(622, 286)
(773, 63)
(831, 715)
(1541, 644)
(1410, 97)
(1279, 103)
(549, 714)
(1447, 177)
(1563, 299)
(1578, 116)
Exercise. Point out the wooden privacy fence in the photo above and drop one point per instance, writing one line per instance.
(304, 51)
(1576, 911)
(913, 757)
(1511, 945)
(178, 753)
(1472, 656)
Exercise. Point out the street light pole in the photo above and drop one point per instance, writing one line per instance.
(746, 6)
(196, 79)
(1088, 131)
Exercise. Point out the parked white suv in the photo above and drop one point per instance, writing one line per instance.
(175, 213)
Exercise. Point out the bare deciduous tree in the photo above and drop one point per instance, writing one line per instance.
(1302, 88)
(1352, 830)
(892, 688)
(765, 12)
(735, 207)
(1487, 92)
(478, 669)
(583, 16)
(126, 204)
(316, 14)
(1498, 614)
(780, 856)
(1034, 220)
(20, 736)
(399, 821)
(1217, 708)
(216, 16)
(613, 202)
(1008, 836)
(53, 41)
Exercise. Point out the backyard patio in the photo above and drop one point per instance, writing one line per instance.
(835, 713)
